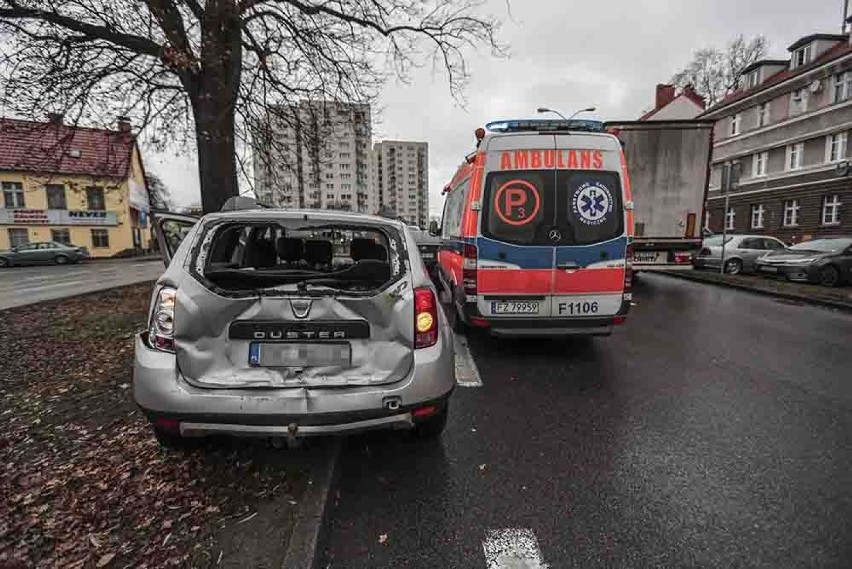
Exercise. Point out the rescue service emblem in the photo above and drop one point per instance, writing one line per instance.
(592, 203)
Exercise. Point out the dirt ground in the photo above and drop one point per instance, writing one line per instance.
(84, 483)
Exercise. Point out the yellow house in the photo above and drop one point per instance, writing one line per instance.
(73, 185)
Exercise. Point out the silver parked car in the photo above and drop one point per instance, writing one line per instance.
(46, 253)
(283, 323)
(741, 252)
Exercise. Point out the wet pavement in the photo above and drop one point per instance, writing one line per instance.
(713, 430)
(20, 286)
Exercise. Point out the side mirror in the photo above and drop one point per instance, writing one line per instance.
(433, 228)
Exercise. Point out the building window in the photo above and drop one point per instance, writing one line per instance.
(329, 186)
(95, 198)
(730, 216)
(791, 213)
(55, 196)
(100, 238)
(831, 210)
(795, 153)
(18, 237)
(835, 147)
(345, 166)
(758, 167)
(60, 236)
(802, 56)
(797, 102)
(736, 120)
(762, 115)
(757, 216)
(13, 194)
(842, 86)
(329, 196)
(753, 79)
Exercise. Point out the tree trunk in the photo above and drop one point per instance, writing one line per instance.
(217, 163)
(214, 98)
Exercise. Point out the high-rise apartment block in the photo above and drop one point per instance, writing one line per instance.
(400, 178)
(315, 155)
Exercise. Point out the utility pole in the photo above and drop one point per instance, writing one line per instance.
(730, 180)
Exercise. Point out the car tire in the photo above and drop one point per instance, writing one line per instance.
(173, 441)
(829, 276)
(60, 260)
(733, 267)
(431, 427)
(4, 263)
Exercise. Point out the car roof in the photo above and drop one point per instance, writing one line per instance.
(273, 214)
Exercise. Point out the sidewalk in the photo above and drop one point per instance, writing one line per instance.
(840, 297)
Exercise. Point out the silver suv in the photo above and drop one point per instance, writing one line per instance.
(283, 323)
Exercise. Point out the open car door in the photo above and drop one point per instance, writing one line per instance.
(171, 229)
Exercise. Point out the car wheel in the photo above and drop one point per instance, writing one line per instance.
(733, 267)
(829, 276)
(174, 441)
(61, 260)
(456, 322)
(433, 426)
(4, 263)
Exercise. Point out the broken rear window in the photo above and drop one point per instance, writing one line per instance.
(299, 256)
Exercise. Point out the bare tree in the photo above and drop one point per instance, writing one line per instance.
(715, 73)
(158, 192)
(214, 70)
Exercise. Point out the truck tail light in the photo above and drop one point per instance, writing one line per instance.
(682, 258)
(628, 267)
(469, 269)
(425, 318)
(161, 328)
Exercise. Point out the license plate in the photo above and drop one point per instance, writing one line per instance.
(427, 255)
(514, 307)
(769, 269)
(263, 354)
(646, 257)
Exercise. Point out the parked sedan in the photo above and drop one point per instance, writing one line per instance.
(428, 245)
(47, 253)
(821, 261)
(741, 252)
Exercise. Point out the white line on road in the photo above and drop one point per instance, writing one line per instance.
(467, 374)
(514, 548)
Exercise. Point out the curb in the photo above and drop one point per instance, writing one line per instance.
(309, 533)
(826, 303)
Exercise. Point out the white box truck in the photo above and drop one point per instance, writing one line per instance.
(669, 167)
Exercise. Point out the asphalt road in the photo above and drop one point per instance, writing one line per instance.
(26, 285)
(713, 430)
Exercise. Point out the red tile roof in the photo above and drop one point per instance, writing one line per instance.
(691, 95)
(54, 148)
(835, 52)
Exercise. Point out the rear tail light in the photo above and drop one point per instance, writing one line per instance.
(469, 269)
(425, 318)
(628, 267)
(682, 258)
(161, 329)
(167, 424)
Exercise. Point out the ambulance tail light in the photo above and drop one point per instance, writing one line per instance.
(628, 267)
(469, 269)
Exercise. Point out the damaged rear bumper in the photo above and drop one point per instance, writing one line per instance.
(163, 393)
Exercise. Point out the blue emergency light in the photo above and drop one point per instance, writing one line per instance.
(545, 125)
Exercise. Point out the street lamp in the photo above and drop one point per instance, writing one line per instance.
(546, 110)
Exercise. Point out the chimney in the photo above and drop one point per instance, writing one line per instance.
(665, 95)
(123, 124)
(55, 118)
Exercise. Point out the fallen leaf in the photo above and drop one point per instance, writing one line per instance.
(383, 538)
(104, 560)
(481, 467)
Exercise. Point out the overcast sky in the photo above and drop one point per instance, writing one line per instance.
(565, 54)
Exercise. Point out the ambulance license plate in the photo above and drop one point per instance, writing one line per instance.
(514, 307)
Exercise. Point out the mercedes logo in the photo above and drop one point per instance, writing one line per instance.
(554, 235)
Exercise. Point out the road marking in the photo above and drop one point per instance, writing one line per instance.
(467, 374)
(514, 548)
